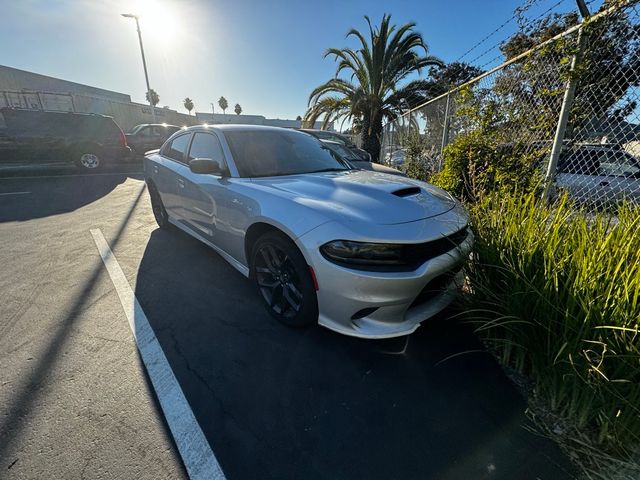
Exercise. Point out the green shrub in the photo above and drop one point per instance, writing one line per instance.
(556, 295)
(420, 163)
(477, 163)
(490, 150)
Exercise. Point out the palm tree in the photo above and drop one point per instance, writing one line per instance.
(188, 104)
(223, 104)
(374, 89)
(238, 109)
(152, 97)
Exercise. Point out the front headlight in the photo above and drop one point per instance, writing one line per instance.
(359, 253)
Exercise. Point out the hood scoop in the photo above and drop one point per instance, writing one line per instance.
(407, 192)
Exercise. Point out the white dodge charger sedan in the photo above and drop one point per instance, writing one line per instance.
(362, 253)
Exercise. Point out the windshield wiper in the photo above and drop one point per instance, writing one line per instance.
(331, 169)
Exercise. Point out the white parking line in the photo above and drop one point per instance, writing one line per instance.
(15, 193)
(194, 449)
(71, 176)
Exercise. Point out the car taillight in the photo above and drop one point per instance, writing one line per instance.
(122, 139)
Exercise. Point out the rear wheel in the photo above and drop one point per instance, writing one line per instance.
(88, 158)
(159, 212)
(284, 280)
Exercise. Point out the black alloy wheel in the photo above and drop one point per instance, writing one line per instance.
(159, 212)
(284, 281)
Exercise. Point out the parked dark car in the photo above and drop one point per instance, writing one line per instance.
(338, 138)
(348, 155)
(150, 136)
(35, 137)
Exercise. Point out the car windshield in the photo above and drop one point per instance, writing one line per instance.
(342, 151)
(324, 135)
(273, 153)
(136, 129)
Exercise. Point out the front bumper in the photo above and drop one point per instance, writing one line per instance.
(374, 304)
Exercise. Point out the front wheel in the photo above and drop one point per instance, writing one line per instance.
(284, 280)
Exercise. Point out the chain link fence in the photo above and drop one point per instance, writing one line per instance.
(564, 115)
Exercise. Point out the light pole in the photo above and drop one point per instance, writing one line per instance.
(144, 63)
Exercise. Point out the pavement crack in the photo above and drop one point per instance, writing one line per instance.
(225, 412)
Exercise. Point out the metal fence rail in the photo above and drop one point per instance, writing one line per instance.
(126, 114)
(565, 113)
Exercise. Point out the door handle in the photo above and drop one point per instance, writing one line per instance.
(181, 183)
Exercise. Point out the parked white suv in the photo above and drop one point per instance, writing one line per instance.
(599, 174)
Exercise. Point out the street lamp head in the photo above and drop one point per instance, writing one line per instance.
(129, 15)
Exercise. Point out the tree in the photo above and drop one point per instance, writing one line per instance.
(223, 104)
(152, 97)
(238, 109)
(609, 67)
(373, 88)
(442, 80)
(299, 118)
(188, 104)
(450, 76)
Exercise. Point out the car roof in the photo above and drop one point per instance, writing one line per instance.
(156, 125)
(239, 128)
(316, 130)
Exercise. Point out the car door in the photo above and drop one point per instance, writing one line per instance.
(9, 152)
(622, 172)
(203, 193)
(148, 139)
(156, 138)
(578, 175)
(166, 173)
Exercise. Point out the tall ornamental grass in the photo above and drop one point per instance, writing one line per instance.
(556, 294)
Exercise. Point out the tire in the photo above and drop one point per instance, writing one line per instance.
(283, 280)
(159, 212)
(88, 159)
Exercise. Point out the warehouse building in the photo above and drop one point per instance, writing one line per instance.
(22, 89)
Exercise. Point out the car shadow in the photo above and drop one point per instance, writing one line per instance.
(37, 196)
(277, 402)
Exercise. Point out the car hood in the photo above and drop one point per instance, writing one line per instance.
(360, 195)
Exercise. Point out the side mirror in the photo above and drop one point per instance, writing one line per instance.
(206, 166)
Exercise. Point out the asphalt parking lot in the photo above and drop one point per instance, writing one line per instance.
(272, 402)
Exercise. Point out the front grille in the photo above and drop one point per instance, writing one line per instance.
(418, 253)
(435, 287)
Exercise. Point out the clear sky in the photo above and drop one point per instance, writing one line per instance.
(266, 55)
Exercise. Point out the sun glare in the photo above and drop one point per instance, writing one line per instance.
(159, 19)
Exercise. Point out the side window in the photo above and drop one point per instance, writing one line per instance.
(176, 148)
(145, 132)
(581, 162)
(206, 145)
(618, 163)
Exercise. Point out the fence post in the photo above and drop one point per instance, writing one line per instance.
(565, 110)
(445, 130)
(445, 125)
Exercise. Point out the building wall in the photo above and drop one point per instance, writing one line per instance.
(22, 89)
(19, 80)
